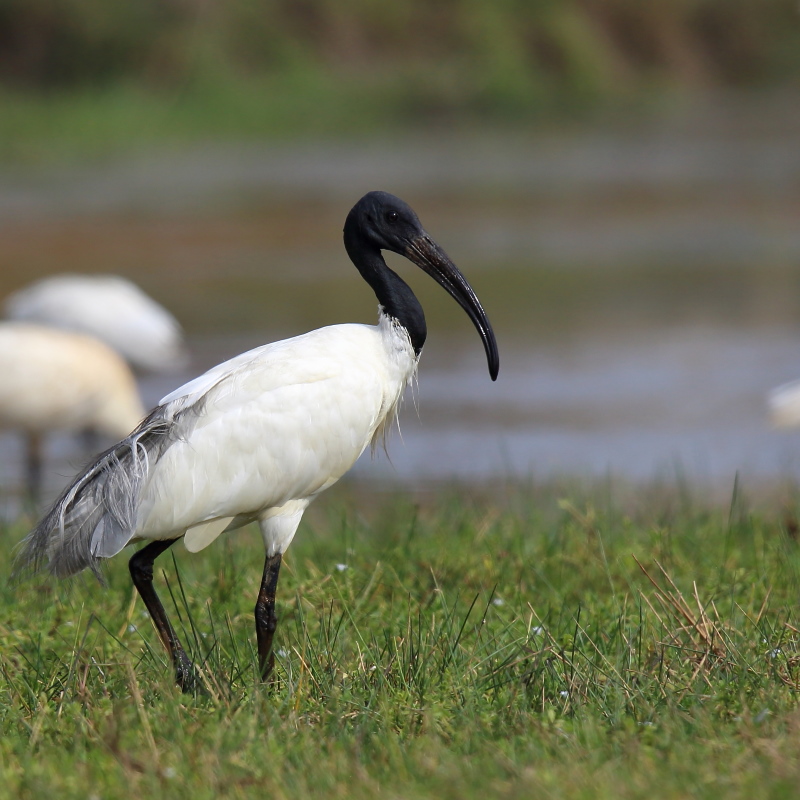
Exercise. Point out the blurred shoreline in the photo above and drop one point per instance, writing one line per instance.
(641, 277)
(717, 143)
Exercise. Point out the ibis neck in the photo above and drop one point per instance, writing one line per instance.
(393, 293)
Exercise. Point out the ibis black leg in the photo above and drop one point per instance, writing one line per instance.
(266, 619)
(33, 468)
(141, 567)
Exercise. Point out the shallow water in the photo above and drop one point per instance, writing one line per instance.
(643, 282)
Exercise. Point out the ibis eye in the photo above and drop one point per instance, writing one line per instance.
(392, 217)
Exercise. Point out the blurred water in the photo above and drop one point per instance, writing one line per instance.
(643, 283)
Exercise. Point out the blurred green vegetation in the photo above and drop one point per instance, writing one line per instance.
(493, 54)
(153, 69)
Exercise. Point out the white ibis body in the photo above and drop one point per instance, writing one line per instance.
(53, 380)
(111, 309)
(258, 437)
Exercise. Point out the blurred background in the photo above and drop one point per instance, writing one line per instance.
(620, 181)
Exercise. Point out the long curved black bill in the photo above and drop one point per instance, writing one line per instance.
(428, 256)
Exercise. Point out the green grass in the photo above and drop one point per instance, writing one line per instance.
(544, 643)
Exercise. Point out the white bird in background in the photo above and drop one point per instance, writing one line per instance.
(784, 405)
(56, 380)
(109, 308)
(258, 437)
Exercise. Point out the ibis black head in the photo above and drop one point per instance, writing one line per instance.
(385, 221)
(381, 221)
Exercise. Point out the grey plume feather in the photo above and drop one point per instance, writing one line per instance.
(95, 516)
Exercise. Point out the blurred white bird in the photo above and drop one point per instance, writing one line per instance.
(52, 380)
(109, 308)
(784, 405)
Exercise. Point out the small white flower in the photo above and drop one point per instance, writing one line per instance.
(537, 631)
(775, 653)
(341, 567)
(564, 694)
(132, 629)
(282, 653)
(498, 601)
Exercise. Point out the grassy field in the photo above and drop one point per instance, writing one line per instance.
(541, 643)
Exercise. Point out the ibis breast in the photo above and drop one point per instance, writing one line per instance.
(278, 424)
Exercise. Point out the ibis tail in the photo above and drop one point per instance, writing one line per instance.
(95, 516)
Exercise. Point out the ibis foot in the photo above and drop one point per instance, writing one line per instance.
(187, 679)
